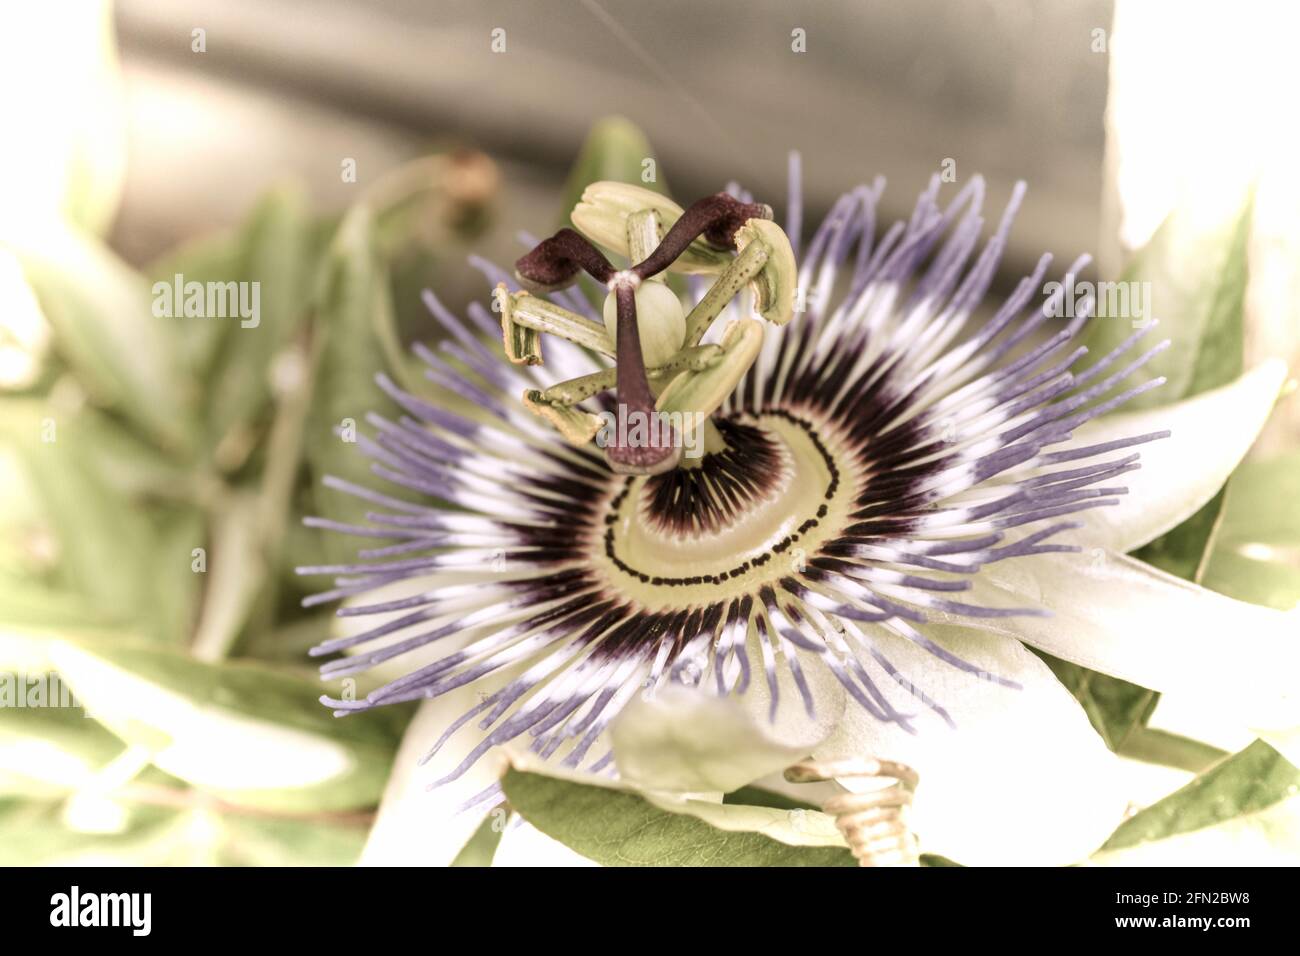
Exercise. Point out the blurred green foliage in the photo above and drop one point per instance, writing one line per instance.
(154, 474)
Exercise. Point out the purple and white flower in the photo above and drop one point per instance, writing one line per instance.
(902, 488)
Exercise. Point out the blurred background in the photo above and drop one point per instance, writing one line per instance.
(1011, 89)
(347, 155)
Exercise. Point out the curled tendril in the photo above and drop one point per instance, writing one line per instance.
(873, 821)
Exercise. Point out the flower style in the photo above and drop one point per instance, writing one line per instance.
(896, 492)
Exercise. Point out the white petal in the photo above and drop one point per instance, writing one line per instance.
(522, 844)
(417, 826)
(1148, 783)
(1211, 433)
(421, 827)
(1118, 615)
(688, 740)
(1023, 779)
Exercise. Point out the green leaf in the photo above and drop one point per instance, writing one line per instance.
(358, 342)
(276, 253)
(263, 841)
(259, 552)
(1270, 583)
(759, 797)
(1262, 503)
(1115, 707)
(1257, 552)
(621, 829)
(102, 315)
(127, 462)
(50, 751)
(1183, 551)
(104, 542)
(482, 846)
(32, 614)
(236, 572)
(1261, 498)
(175, 588)
(247, 732)
(32, 833)
(215, 258)
(36, 833)
(1197, 281)
(115, 554)
(1238, 790)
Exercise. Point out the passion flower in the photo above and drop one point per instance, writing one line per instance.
(863, 473)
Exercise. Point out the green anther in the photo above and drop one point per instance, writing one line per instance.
(534, 312)
(740, 273)
(774, 287)
(603, 217)
(576, 426)
(523, 345)
(643, 234)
